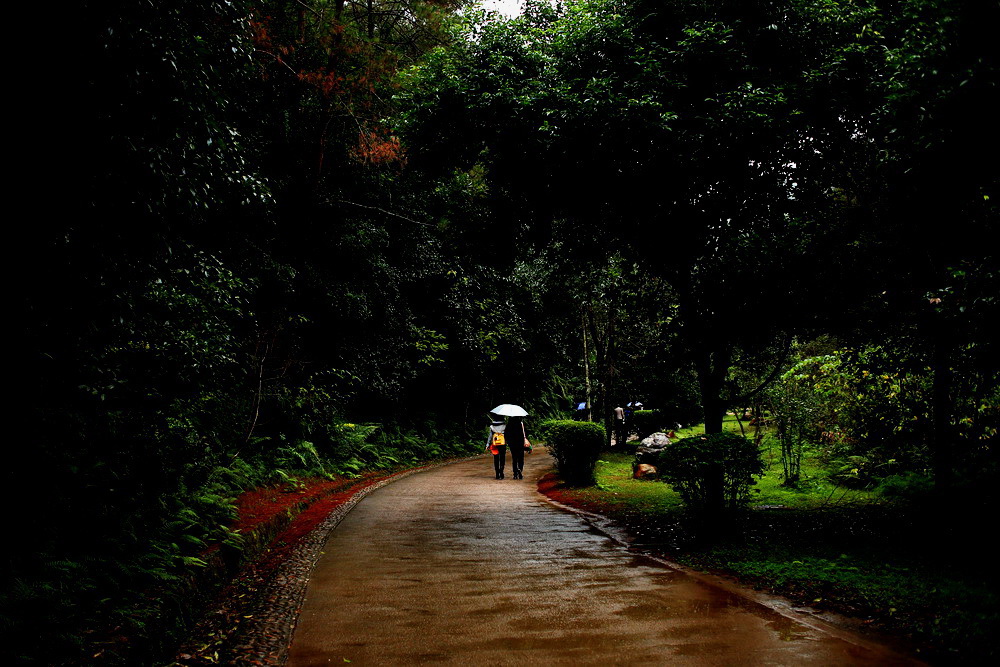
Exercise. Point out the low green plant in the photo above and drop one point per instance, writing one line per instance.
(909, 485)
(930, 603)
(709, 469)
(290, 482)
(575, 446)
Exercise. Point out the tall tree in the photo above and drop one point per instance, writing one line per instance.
(712, 134)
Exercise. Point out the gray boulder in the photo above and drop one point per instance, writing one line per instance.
(649, 449)
(658, 439)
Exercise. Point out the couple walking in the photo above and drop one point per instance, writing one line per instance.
(511, 434)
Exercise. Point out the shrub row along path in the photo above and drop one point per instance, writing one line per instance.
(452, 566)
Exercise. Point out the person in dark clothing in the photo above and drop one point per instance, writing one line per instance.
(496, 444)
(516, 436)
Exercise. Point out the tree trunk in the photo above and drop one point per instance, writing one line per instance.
(604, 347)
(712, 364)
(586, 364)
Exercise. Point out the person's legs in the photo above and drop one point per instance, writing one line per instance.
(499, 461)
(517, 459)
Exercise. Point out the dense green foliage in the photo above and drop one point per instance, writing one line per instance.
(871, 410)
(575, 446)
(696, 464)
(218, 292)
(761, 161)
(274, 219)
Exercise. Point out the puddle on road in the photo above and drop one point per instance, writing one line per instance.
(787, 629)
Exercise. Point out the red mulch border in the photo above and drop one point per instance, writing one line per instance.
(251, 617)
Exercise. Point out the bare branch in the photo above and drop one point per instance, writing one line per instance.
(771, 376)
(381, 210)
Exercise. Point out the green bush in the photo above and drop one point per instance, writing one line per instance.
(907, 486)
(645, 422)
(693, 467)
(575, 447)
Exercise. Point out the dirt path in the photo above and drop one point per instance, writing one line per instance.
(452, 566)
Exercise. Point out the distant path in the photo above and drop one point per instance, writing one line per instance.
(452, 566)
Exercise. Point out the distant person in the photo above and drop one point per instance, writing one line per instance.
(517, 440)
(496, 443)
(619, 425)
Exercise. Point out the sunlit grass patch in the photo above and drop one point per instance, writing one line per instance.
(616, 486)
(814, 489)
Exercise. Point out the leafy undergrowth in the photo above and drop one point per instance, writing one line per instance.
(212, 642)
(310, 501)
(922, 573)
(270, 522)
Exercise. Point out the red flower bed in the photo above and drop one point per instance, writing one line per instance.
(327, 498)
(240, 599)
(259, 506)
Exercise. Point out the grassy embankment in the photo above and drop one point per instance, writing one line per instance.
(914, 569)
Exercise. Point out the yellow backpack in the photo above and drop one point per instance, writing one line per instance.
(496, 442)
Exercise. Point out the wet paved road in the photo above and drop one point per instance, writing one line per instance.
(452, 566)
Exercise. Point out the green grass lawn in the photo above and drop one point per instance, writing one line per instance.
(814, 489)
(909, 570)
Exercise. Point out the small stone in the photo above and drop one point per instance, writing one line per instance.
(644, 471)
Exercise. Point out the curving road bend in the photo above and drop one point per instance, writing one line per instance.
(451, 566)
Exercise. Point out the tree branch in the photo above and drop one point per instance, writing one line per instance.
(773, 374)
(380, 210)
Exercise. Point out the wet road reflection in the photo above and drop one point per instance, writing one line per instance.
(452, 566)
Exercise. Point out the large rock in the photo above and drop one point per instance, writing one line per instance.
(644, 471)
(649, 449)
(657, 439)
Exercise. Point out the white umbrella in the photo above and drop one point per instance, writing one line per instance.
(508, 410)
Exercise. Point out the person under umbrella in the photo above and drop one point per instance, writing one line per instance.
(497, 445)
(517, 441)
(515, 437)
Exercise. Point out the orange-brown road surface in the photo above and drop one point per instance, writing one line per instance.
(451, 566)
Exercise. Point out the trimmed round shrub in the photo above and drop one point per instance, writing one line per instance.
(712, 471)
(575, 446)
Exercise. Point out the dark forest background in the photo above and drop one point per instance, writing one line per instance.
(313, 238)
